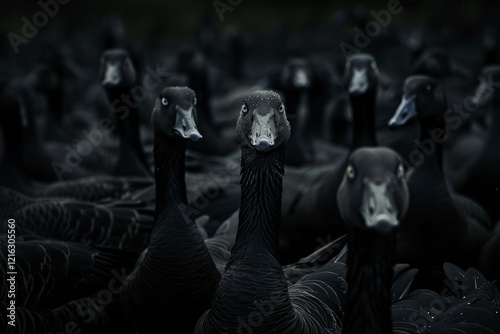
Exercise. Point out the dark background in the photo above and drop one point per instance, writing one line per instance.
(179, 19)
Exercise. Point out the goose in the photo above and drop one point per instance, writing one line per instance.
(306, 190)
(253, 293)
(440, 226)
(88, 189)
(194, 67)
(175, 280)
(478, 177)
(18, 120)
(361, 77)
(116, 224)
(118, 77)
(59, 282)
(303, 90)
(293, 83)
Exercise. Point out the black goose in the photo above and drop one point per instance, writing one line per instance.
(175, 280)
(479, 177)
(293, 83)
(195, 69)
(361, 78)
(59, 283)
(306, 191)
(118, 77)
(253, 294)
(303, 91)
(116, 224)
(440, 226)
(87, 189)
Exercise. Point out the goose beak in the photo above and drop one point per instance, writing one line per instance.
(112, 75)
(301, 79)
(378, 208)
(263, 131)
(406, 112)
(484, 95)
(185, 124)
(359, 82)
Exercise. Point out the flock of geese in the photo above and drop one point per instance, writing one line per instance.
(262, 194)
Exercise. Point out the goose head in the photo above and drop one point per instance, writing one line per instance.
(361, 74)
(296, 74)
(423, 98)
(373, 195)
(117, 69)
(489, 87)
(174, 114)
(262, 124)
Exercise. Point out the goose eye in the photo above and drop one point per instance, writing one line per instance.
(164, 101)
(401, 172)
(282, 108)
(349, 172)
(194, 101)
(244, 108)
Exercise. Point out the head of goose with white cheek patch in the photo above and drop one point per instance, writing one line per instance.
(262, 124)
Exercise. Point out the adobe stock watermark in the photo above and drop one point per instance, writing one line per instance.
(93, 138)
(222, 6)
(40, 19)
(381, 19)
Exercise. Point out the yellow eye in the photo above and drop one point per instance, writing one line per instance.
(244, 108)
(349, 172)
(164, 101)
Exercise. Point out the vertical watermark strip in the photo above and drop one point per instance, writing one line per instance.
(11, 272)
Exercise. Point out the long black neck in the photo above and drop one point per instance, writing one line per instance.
(369, 279)
(297, 102)
(170, 157)
(363, 110)
(132, 160)
(260, 209)
(177, 278)
(431, 158)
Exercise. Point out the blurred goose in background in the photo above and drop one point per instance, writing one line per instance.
(440, 225)
(475, 160)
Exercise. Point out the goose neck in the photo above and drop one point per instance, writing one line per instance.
(369, 279)
(260, 209)
(363, 111)
(430, 144)
(169, 156)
